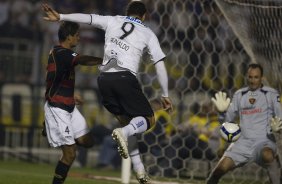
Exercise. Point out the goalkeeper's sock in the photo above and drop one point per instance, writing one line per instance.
(212, 180)
(136, 125)
(61, 173)
(273, 172)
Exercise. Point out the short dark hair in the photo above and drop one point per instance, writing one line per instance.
(136, 8)
(67, 28)
(255, 65)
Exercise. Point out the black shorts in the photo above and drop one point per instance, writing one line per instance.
(122, 95)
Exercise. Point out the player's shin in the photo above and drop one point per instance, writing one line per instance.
(61, 173)
(135, 155)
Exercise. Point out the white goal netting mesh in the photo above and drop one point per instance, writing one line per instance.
(257, 25)
(209, 45)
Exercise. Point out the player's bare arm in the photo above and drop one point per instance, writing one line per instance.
(51, 14)
(89, 60)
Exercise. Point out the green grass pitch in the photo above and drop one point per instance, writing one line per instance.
(22, 172)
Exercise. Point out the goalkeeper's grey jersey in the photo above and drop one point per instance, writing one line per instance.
(255, 109)
(126, 38)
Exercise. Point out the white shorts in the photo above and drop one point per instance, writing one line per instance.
(248, 150)
(62, 127)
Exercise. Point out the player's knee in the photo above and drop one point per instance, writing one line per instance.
(69, 157)
(88, 144)
(222, 169)
(86, 141)
(267, 155)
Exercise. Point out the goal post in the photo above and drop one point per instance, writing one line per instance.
(125, 170)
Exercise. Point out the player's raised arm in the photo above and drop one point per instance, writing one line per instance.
(51, 14)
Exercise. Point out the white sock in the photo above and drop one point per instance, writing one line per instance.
(273, 172)
(134, 154)
(136, 125)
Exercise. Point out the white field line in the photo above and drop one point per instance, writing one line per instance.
(110, 178)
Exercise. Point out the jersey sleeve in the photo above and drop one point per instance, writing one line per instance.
(100, 21)
(162, 77)
(154, 49)
(77, 17)
(276, 104)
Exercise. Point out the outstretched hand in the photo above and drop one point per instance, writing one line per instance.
(167, 104)
(221, 101)
(276, 124)
(51, 14)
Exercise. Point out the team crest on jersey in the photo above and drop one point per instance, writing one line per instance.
(252, 100)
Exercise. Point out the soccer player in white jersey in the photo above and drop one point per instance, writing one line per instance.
(255, 105)
(126, 38)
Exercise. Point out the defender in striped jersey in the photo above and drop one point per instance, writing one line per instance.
(126, 39)
(65, 126)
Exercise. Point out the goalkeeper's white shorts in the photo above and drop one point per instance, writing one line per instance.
(248, 150)
(62, 127)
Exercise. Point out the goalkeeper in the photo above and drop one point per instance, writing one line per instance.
(258, 108)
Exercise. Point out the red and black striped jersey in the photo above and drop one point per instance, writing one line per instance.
(60, 78)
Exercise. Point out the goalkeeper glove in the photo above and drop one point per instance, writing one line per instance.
(276, 124)
(221, 101)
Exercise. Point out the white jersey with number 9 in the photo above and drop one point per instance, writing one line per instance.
(126, 38)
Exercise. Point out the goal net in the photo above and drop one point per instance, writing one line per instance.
(209, 45)
(257, 24)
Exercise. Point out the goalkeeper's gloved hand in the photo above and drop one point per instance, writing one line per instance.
(276, 124)
(221, 101)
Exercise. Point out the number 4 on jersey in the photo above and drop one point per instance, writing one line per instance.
(67, 130)
(126, 32)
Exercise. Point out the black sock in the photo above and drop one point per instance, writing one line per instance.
(61, 173)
